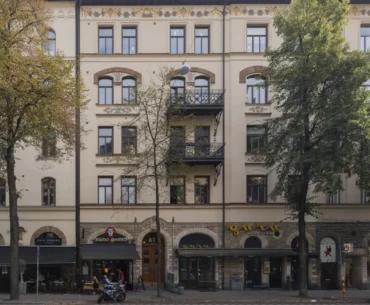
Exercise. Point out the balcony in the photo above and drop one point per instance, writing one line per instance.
(196, 154)
(192, 102)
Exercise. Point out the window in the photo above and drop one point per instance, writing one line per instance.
(177, 90)
(255, 139)
(105, 91)
(333, 197)
(105, 141)
(367, 87)
(129, 45)
(50, 44)
(177, 141)
(128, 190)
(201, 86)
(2, 192)
(294, 188)
(256, 90)
(48, 191)
(365, 38)
(201, 190)
(177, 40)
(365, 197)
(256, 189)
(201, 37)
(177, 190)
(256, 39)
(105, 40)
(105, 190)
(129, 140)
(49, 146)
(128, 91)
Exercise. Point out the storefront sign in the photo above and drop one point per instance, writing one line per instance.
(110, 236)
(268, 229)
(48, 239)
(348, 248)
(328, 250)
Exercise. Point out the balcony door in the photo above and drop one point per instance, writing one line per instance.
(177, 141)
(202, 141)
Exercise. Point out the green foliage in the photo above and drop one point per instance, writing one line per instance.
(318, 89)
(37, 92)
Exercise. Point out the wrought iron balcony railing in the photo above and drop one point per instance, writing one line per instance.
(197, 102)
(197, 153)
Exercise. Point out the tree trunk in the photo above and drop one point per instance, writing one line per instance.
(158, 225)
(14, 225)
(302, 254)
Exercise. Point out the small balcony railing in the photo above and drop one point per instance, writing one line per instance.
(197, 153)
(210, 102)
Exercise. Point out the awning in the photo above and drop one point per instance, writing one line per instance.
(215, 252)
(48, 255)
(109, 251)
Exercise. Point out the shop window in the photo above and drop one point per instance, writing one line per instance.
(197, 240)
(2, 192)
(256, 189)
(253, 242)
(255, 139)
(48, 191)
(177, 190)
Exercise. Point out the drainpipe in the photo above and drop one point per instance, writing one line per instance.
(223, 141)
(77, 147)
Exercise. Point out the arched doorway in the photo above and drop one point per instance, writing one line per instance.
(197, 271)
(295, 262)
(252, 264)
(150, 260)
(329, 265)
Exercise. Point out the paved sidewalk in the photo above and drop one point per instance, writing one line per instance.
(197, 297)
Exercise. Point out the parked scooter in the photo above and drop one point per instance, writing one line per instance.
(113, 293)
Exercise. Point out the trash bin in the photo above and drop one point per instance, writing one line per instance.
(236, 283)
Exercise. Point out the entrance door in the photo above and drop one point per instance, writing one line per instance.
(275, 272)
(202, 140)
(149, 259)
(329, 275)
(252, 271)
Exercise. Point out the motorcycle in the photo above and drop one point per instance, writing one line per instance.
(113, 292)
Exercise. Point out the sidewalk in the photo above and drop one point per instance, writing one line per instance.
(198, 297)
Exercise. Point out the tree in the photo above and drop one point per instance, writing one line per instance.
(317, 84)
(37, 98)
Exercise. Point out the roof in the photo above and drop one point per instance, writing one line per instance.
(187, 2)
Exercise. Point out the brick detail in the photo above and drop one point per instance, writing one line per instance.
(117, 71)
(250, 71)
(209, 74)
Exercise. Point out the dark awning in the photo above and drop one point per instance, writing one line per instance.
(235, 252)
(109, 251)
(48, 255)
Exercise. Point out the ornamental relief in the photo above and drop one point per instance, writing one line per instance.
(188, 11)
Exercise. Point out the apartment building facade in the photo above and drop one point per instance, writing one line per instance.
(220, 227)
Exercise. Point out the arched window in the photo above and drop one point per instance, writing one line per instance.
(256, 89)
(48, 239)
(48, 191)
(197, 240)
(105, 91)
(177, 89)
(2, 192)
(295, 244)
(201, 85)
(50, 44)
(128, 90)
(253, 242)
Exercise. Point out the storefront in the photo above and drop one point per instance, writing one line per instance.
(110, 254)
(149, 259)
(196, 270)
(329, 265)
